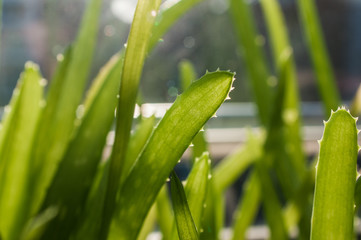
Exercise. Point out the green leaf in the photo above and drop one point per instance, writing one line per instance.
(235, 164)
(355, 107)
(63, 100)
(84, 152)
(333, 206)
(290, 106)
(317, 48)
(164, 213)
(170, 12)
(251, 44)
(149, 223)
(188, 75)
(136, 143)
(89, 224)
(20, 120)
(183, 217)
(271, 204)
(135, 54)
(196, 188)
(213, 217)
(165, 147)
(248, 207)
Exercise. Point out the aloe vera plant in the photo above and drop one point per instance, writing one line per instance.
(67, 183)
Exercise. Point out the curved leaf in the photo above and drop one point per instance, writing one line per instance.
(135, 54)
(165, 147)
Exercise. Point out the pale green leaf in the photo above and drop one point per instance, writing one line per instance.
(57, 122)
(333, 206)
(18, 132)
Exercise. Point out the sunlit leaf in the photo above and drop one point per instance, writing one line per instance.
(333, 206)
(165, 147)
(57, 122)
(183, 217)
(135, 54)
(19, 123)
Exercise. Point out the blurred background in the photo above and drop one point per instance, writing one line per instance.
(38, 30)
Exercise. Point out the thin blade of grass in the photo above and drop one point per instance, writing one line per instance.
(287, 155)
(333, 206)
(254, 59)
(317, 48)
(274, 157)
(18, 132)
(183, 217)
(171, 11)
(135, 54)
(82, 157)
(165, 147)
(248, 207)
(62, 102)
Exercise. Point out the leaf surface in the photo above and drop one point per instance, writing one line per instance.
(185, 225)
(83, 155)
(165, 147)
(19, 123)
(333, 206)
(57, 122)
(135, 54)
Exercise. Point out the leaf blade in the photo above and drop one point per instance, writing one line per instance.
(333, 207)
(166, 145)
(183, 217)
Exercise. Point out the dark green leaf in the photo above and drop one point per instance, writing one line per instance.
(185, 225)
